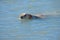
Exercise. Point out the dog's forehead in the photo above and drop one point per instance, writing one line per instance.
(27, 14)
(22, 14)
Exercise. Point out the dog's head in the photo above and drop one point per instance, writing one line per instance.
(26, 16)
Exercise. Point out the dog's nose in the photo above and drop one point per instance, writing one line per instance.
(21, 17)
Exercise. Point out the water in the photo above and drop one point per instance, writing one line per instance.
(11, 28)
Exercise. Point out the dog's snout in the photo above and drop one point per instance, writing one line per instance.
(21, 17)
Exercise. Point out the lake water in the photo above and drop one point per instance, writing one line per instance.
(11, 28)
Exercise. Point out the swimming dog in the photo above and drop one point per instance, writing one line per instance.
(29, 16)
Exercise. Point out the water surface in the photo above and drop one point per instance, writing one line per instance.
(11, 28)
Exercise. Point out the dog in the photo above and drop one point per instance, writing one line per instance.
(29, 16)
